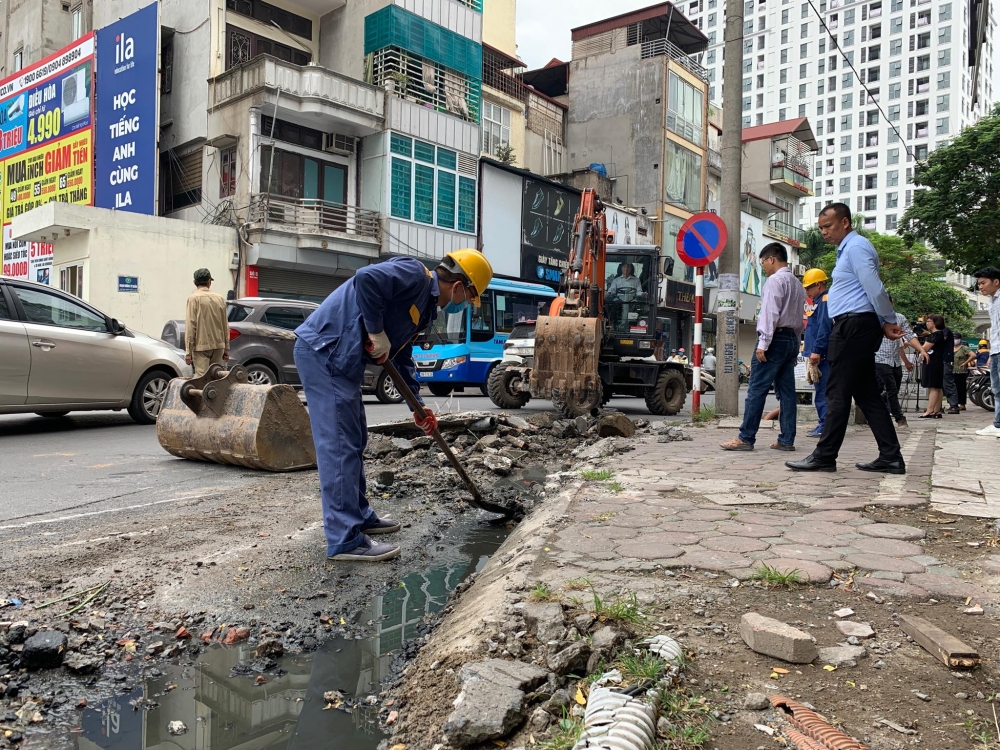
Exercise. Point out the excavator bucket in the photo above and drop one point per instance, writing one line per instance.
(220, 417)
(565, 367)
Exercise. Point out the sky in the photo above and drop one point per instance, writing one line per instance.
(543, 26)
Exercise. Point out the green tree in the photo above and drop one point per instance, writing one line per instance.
(959, 211)
(912, 275)
(814, 249)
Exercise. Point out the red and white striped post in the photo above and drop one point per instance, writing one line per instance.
(699, 293)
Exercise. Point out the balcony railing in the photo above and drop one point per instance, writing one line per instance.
(684, 127)
(425, 82)
(714, 160)
(309, 216)
(871, 162)
(303, 82)
(666, 48)
(923, 88)
(784, 231)
(875, 13)
(791, 178)
(921, 132)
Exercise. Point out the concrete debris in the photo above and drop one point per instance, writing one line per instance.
(573, 659)
(843, 655)
(845, 612)
(976, 609)
(559, 702)
(756, 702)
(874, 597)
(270, 649)
(82, 664)
(43, 650)
(402, 445)
(855, 629)
(615, 424)
(774, 638)
(385, 478)
(492, 702)
(671, 434)
(601, 449)
(515, 674)
(498, 465)
(539, 720)
(544, 620)
(17, 632)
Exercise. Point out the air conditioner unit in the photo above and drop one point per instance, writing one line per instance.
(75, 96)
(799, 270)
(339, 144)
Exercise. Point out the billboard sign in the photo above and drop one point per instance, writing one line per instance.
(547, 215)
(46, 146)
(127, 112)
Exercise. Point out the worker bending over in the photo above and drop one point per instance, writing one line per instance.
(371, 317)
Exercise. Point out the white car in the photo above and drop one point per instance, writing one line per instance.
(507, 386)
(58, 354)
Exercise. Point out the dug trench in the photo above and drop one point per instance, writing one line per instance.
(159, 620)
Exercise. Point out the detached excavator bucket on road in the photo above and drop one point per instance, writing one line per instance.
(221, 418)
(567, 350)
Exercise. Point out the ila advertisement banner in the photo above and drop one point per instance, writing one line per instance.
(125, 177)
(46, 151)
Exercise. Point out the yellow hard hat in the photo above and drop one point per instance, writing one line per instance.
(984, 342)
(814, 276)
(473, 267)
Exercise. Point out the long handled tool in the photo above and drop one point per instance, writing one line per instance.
(415, 406)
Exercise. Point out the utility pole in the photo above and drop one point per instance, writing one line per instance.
(727, 387)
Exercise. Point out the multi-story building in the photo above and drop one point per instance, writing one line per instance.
(912, 92)
(31, 31)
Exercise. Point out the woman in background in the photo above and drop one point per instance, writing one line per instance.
(936, 347)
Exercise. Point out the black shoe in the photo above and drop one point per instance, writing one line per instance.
(954, 410)
(811, 463)
(901, 422)
(884, 466)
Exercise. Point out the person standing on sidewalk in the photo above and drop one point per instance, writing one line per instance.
(964, 358)
(862, 314)
(889, 366)
(988, 280)
(206, 327)
(817, 340)
(372, 317)
(779, 327)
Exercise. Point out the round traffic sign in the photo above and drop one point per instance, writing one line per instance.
(701, 239)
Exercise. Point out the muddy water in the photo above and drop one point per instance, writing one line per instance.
(226, 712)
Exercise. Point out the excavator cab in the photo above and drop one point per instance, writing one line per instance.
(630, 300)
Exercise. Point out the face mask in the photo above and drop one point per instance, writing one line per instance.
(456, 307)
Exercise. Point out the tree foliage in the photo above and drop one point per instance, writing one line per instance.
(959, 211)
(912, 275)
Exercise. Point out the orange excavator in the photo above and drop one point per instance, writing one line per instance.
(600, 334)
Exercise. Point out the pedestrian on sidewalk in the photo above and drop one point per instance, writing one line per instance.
(779, 328)
(817, 341)
(862, 314)
(938, 347)
(950, 387)
(372, 317)
(988, 280)
(964, 359)
(889, 361)
(206, 326)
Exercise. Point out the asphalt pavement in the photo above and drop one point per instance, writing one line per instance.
(90, 464)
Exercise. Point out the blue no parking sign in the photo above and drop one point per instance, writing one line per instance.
(701, 239)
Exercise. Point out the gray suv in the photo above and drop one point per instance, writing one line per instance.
(262, 336)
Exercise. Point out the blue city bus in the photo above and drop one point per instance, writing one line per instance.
(459, 350)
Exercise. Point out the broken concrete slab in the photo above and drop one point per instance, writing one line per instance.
(843, 655)
(857, 629)
(498, 464)
(515, 674)
(544, 620)
(43, 650)
(572, 659)
(81, 663)
(615, 424)
(484, 711)
(772, 637)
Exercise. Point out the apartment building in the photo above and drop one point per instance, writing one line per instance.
(31, 31)
(914, 88)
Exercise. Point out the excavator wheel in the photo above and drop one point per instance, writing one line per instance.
(500, 392)
(667, 396)
(577, 406)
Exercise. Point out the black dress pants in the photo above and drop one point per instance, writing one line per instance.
(853, 343)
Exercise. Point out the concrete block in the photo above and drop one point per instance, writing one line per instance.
(775, 638)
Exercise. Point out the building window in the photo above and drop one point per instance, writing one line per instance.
(227, 172)
(944, 12)
(747, 103)
(242, 46)
(784, 16)
(920, 152)
(893, 156)
(871, 182)
(896, 27)
(682, 177)
(847, 80)
(18, 59)
(802, 90)
(270, 15)
(782, 96)
(181, 178)
(845, 163)
(685, 106)
(804, 50)
(848, 38)
(77, 21)
(943, 58)
(747, 122)
(944, 35)
(942, 126)
(496, 128)
(802, 110)
(845, 143)
(784, 56)
(782, 114)
(784, 36)
(892, 178)
(890, 222)
(427, 187)
(845, 122)
(167, 65)
(845, 184)
(943, 80)
(871, 203)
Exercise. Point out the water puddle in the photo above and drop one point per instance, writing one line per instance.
(225, 712)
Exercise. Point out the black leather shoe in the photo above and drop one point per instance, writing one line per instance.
(811, 463)
(884, 466)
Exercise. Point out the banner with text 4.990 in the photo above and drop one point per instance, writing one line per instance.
(59, 171)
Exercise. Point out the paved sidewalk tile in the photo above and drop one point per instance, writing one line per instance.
(963, 481)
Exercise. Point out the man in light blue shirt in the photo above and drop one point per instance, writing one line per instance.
(988, 280)
(862, 314)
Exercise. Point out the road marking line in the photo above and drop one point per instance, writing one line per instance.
(109, 510)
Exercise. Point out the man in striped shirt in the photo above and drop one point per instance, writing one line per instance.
(889, 369)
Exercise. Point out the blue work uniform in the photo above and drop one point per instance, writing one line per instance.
(398, 297)
(817, 341)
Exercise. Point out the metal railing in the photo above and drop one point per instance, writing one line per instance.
(310, 216)
(425, 82)
(664, 47)
(684, 127)
(785, 231)
(714, 160)
(793, 178)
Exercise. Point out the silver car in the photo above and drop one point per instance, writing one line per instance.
(58, 354)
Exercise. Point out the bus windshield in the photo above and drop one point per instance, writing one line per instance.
(447, 328)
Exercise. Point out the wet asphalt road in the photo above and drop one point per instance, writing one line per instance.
(88, 465)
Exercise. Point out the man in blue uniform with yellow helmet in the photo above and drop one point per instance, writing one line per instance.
(817, 340)
(371, 317)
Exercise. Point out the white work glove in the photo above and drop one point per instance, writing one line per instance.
(378, 346)
(813, 374)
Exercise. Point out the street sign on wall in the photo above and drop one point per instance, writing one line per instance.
(127, 103)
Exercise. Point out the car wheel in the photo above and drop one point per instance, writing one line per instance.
(440, 389)
(52, 414)
(258, 374)
(386, 391)
(147, 398)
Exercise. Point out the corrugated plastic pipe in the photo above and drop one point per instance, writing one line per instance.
(615, 721)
